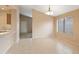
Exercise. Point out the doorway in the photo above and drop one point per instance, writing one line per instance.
(25, 27)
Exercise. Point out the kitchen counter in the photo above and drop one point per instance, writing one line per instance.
(2, 32)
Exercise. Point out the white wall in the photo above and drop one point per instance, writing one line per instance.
(42, 25)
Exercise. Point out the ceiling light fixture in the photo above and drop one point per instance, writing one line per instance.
(49, 12)
(5, 7)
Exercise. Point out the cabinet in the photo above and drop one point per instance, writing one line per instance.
(8, 18)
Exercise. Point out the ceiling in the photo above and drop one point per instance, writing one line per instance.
(56, 9)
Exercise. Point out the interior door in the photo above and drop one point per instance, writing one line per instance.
(23, 27)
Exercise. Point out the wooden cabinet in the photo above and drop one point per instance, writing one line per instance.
(8, 18)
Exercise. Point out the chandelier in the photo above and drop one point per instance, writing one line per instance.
(49, 12)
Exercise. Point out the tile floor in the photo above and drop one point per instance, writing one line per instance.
(25, 35)
(39, 46)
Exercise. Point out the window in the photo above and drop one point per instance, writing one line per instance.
(68, 24)
(60, 25)
(64, 24)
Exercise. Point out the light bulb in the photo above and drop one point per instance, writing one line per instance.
(49, 13)
(2, 8)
